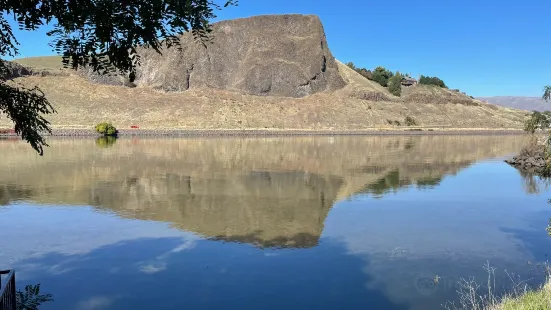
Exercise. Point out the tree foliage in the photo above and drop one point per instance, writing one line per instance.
(395, 84)
(101, 34)
(31, 298)
(362, 71)
(106, 129)
(382, 75)
(432, 80)
(546, 93)
(365, 73)
(538, 120)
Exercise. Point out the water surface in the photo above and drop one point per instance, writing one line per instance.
(267, 223)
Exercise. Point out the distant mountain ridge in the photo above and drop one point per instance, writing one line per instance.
(519, 102)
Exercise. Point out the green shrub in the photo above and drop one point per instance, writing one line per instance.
(381, 76)
(106, 129)
(397, 123)
(395, 84)
(432, 80)
(351, 65)
(410, 121)
(538, 120)
(362, 71)
(365, 73)
(31, 298)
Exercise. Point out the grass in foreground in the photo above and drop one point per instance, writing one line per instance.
(519, 296)
(531, 300)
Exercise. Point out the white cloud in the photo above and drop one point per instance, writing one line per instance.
(30, 231)
(407, 236)
(152, 268)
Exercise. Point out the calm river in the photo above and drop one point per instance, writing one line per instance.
(268, 223)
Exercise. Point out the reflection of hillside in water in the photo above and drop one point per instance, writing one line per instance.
(269, 192)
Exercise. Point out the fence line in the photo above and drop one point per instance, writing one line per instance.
(7, 291)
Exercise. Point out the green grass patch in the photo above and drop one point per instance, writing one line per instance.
(531, 300)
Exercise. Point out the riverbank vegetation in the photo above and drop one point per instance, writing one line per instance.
(535, 157)
(531, 300)
(106, 129)
(473, 295)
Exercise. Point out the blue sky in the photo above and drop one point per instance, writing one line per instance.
(483, 47)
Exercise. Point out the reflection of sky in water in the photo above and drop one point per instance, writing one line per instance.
(160, 267)
(371, 254)
(482, 214)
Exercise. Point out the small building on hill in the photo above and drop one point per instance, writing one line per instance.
(408, 81)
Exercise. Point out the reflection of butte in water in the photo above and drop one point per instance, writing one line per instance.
(267, 192)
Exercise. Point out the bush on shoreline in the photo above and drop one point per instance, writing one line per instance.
(536, 155)
(106, 129)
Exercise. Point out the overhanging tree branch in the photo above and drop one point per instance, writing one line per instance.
(100, 34)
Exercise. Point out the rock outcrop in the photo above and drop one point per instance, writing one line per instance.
(12, 70)
(534, 162)
(271, 55)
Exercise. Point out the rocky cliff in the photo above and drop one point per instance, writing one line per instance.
(271, 55)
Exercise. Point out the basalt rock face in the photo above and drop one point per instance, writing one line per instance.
(272, 55)
(10, 70)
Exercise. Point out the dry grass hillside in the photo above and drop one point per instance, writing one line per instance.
(48, 62)
(361, 104)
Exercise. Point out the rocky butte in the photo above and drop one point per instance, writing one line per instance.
(269, 55)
